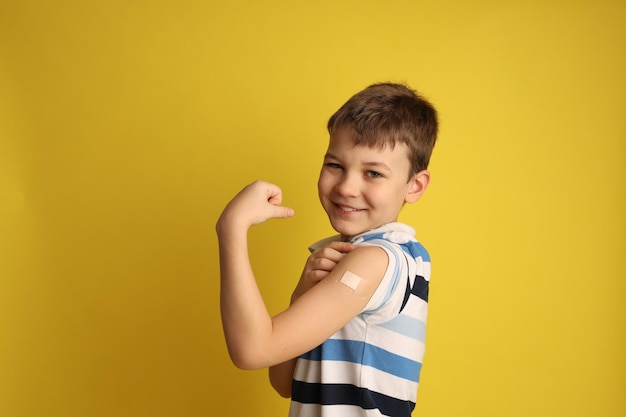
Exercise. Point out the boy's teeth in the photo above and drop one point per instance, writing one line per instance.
(347, 208)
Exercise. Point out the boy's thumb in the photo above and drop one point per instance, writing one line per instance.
(284, 212)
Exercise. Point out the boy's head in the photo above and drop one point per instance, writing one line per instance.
(379, 148)
(386, 114)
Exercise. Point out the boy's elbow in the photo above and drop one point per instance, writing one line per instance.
(281, 378)
(244, 364)
(283, 392)
(281, 385)
(246, 360)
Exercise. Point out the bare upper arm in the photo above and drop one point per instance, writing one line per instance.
(329, 305)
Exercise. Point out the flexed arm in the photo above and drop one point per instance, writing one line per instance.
(244, 315)
(254, 338)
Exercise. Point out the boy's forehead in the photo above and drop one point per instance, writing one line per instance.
(345, 135)
(384, 145)
(342, 144)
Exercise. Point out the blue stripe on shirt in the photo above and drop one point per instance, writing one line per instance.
(413, 248)
(407, 326)
(367, 355)
(416, 250)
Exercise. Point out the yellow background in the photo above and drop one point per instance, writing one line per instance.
(125, 126)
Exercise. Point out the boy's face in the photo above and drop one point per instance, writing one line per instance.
(362, 188)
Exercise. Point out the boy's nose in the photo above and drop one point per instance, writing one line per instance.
(348, 186)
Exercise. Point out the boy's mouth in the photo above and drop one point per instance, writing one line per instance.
(346, 209)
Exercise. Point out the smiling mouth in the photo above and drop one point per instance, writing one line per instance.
(347, 209)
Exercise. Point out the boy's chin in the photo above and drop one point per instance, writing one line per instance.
(347, 231)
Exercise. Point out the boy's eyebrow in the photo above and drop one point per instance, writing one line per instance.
(373, 164)
(377, 165)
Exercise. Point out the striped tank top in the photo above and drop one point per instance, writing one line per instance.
(371, 366)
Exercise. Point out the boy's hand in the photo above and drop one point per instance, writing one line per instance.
(254, 204)
(319, 264)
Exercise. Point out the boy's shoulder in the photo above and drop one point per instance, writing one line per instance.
(395, 232)
(395, 237)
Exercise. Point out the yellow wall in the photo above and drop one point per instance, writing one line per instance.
(125, 127)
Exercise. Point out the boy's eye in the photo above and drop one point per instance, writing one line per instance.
(333, 165)
(374, 174)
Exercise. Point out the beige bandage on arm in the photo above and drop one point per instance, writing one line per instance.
(350, 280)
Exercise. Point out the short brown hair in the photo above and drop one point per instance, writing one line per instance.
(388, 113)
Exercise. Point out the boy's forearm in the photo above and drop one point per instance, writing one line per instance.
(245, 319)
(248, 327)
(281, 375)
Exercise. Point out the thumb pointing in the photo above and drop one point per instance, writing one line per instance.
(284, 212)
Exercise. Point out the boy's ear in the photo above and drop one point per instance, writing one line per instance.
(417, 186)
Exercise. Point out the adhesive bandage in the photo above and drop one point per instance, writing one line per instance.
(350, 280)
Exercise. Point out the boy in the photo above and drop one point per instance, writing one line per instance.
(352, 340)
